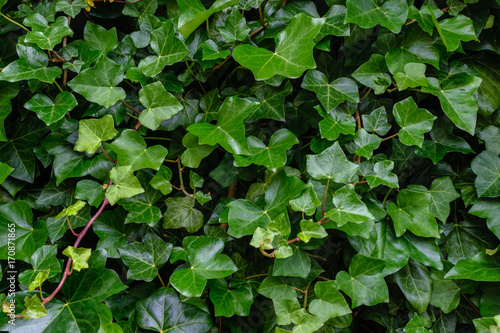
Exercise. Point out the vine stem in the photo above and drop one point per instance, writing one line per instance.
(16, 23)
(324, 197)
(183, 189)
(390, 137)
(128, 106)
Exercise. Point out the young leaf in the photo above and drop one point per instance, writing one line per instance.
(46, 35)
(34, 308)
(331, 164)
(414, 122)
(125, 184)
(329, 302)
(235, 27)
(80, 256)
(159, 103)
(389, 13)
(348, 207)
(373, 74)
(92, 132)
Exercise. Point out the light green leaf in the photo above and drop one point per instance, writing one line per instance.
(92, 132)
(454, 30)
(415, 282)
(272, 156)
(79, 257)
(293, 53)
(230, 130)
(417, 324)
(5, 171)
(39, 280)
(168, 48)
(98, 38)
(132, 151)
(284, 308)
(491, 137)
(306, 202)
(481, 267)
(51, 111)
(72, 210)
(34, 308)
(263, 238)
(194, 152)
(211, 51)
(298, 264)
(304, 322)
(228, 302)
(276, 288)
(159, 105)
(414, 122)
(281, 225)
(329, 302)
(182, 214)
(330, 94)
(391, 14)
(125, 184)
(487, 208)
(331, 164)
(205, 262)
(141, 207)
(373, 74)
(413, 212)
(456, 94)
(382, 175)
(366, 143)
(348, 207)
(235, 27)
(72, 8)
(413, 76)
(442, 194)
(161, 180)
(99, 84)
(486, 166)
(144, 259)
(310, 229)
(46, 35)
(376, 121)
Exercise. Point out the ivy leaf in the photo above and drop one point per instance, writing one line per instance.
(133, 152)
(373, 74)
(366, 143)
(376, 121)
(51, 111)
(91, 191)
(310, 229)
(293, 53)
(413, 76)
(29, 236)
(230, 131)
(182, 214)
(99, 83)
(272, 156)
(331, 164)
(72, 210)
(46, 35)
(144, 259)
(7, 92)
(72, 8)
(34, 308)
(206, 262)
(334, 23)
(348, 208)
(272, 100)
(417, 324)
(39, 280)
(228, 302)
(329, 302)
(364, 284)
(140, 9)
(112, 230)
(5, 171)
(456, 95)
(263, 238)
(211, 51)
(43, 259)
(491, 137)
(413, 212)
(330, 94)
(455, 29)
(141, 207)
(163, 311)
(445, 293)
(194, 152)
(442, 194)
(304, 322)
(382, 175)
(486, 166)
(98, 38)
(235, 27)
(334, 124)
(79, 257)
(414, 122)
(298, 264)
(168, 48)
(92, 132)
(481, 267)
(415, 282)
(276, 288)
(425, 17)
(391, 14)
(284, 308)
(159, 105)
(306, 202)
(487, 208)
(33, 64)
(161, 181)
(125, 184)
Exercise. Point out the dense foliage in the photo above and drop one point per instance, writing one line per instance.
(250, 166)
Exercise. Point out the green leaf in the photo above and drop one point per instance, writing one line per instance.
(304, 322)
(99, 83)
(329, 302)
(413, 76)
(98, 38)
(376, 121)
(140, 9)
(364, 284)
(456, 95)
(263, 238)
(417, 324)
(28, 236)
(272, 156)
(91, 191)
(481, 267)
(391, 14)
(43, 259)
(194, 152)
(163, 311)
(298, 264)
(442, 194)
(79, 257)
(348, 207)
(133, 152)
(7, 92)
(230, 131)
(161, 181)
(92, 132)
(454, 30)
(413, 212)
(46, 35)
(425, 16)
(34, 308)
(159, 105)
(284, 308)
(445, 293)
(306, 202)
(72, 210)
(235, 27)
(373, 74)
(51, 111)
(334, 23)
(182, 214)
(206, 262)
(382, 175)
(168, 48)
(415, 282)
(228, 302)
(33, 64)
(331, 164)
(39, 280)
(141, 207)
(366, 143)
(330, 94)
(414, 122)
(125, 184)
(486, 166)
(293, 53)
(5, 171)
(487, 208)
(271, 100)
(276, 288)
(491, 137)
(144, 259)
(212, 52)
(72, 8)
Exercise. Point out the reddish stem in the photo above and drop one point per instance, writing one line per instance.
(390, 137)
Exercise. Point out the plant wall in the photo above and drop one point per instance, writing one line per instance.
(249, 166)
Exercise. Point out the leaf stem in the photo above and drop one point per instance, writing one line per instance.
(58, 86)
(390, 137)
(70, 228)
(16, 23)
(180, 167)
(128, 106)
(194, 76)
(256, 275)
(105, 154)
(157, 138)
(161, 281)
(324, 197)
